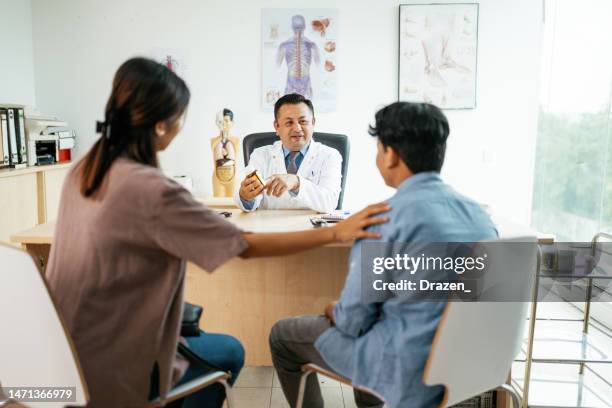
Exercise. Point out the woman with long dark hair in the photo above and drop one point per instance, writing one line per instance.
(123, 234)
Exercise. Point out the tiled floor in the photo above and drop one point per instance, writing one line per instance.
(258, 387)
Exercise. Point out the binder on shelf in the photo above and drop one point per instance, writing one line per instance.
(5, 159)
(1, 148)
(14, 155)
(21, 136)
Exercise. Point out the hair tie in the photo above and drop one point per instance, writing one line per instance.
(103, 128)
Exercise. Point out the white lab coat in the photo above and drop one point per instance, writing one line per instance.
(320, 176)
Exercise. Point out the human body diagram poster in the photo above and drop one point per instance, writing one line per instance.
(299, 55)
(437, 55)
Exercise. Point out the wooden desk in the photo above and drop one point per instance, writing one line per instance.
(218, 202)
(246, 297)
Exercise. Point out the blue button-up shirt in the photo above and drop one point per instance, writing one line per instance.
(384, 345)
(287, 153)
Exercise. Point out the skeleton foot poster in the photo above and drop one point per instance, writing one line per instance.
(437, 54)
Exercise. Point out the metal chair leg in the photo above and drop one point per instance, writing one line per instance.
(516, 398)
(531, 334)
(302, 389)
(229, 399)
(587, 314)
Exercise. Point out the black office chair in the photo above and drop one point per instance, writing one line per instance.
(337, 141)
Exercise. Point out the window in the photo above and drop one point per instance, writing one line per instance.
(573, 174)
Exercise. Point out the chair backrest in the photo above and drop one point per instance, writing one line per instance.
(483, 338)
(336, 141)
(35, 348)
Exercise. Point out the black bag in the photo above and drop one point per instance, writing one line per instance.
(190, 325)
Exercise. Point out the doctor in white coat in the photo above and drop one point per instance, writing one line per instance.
(299, 172)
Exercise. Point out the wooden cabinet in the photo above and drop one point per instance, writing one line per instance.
(18, 204)
(52, 180)
(29, 197)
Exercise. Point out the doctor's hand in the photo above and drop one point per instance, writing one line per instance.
(277, 184)
(250, 188)
(354, 226)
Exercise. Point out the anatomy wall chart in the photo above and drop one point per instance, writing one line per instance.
(299, 55)
(173, 58)
(437, 55)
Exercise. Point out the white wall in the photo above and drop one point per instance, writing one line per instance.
(78, 44)
(17, 67)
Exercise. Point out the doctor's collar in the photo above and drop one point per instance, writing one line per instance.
(303, 150)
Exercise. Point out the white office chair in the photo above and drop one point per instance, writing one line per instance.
(35, 348)
(476, 342)
(197, 384)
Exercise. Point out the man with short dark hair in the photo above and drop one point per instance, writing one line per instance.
(382, 344)
(299, 172)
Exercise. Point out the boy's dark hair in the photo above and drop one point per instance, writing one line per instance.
(416, 131)
(292, 99)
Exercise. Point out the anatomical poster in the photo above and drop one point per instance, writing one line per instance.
(174, 59)
(300, 55)
(437, 54)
